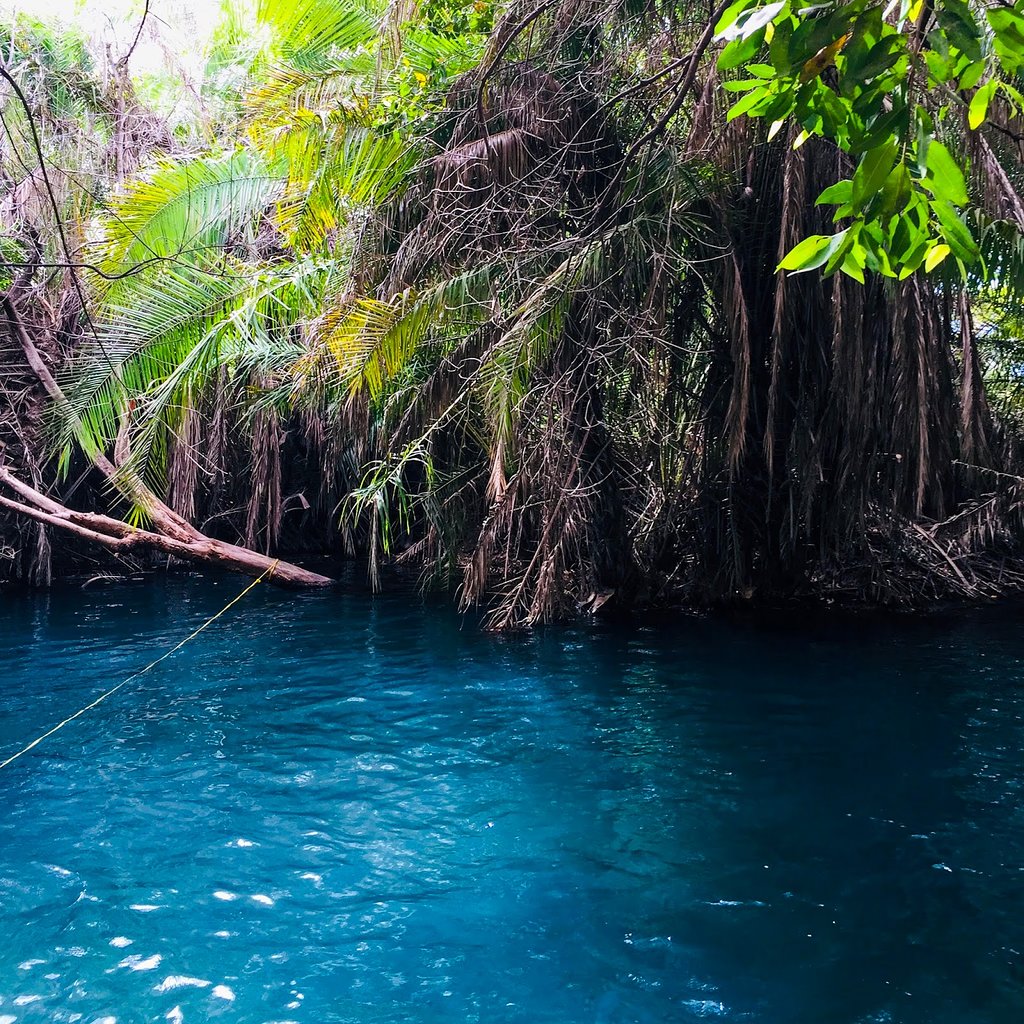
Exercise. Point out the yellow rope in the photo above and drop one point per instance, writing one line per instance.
(149, 668)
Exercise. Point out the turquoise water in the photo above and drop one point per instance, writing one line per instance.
(335, 809)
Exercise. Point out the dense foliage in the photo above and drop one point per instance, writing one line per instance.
(496, 290)
(887, 84)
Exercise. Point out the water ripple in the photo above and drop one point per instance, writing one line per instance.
(344, 810)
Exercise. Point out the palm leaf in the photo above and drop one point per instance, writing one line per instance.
(304, 30)
(183, 210)
(337, 170)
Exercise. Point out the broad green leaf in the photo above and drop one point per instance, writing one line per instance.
(972, 76)
(979, 103)
(895, 191)
(915, 259)
(882, 128)
(812, 252)
(840, 192)
(882, 56)
(907, 237)
(728, 18)
(853, 265)
(741, 106)
(803, 254)
(935, 256)
(839, 254)
(945, 180)
(739, 51)
(1013, 95)
(960, 26)
(1008, 26)
(743, 84)
(778, 47)
(955, 232)
(940, 66)
(745, 25)
(874, 167)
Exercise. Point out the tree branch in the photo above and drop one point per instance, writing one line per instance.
(171, 535)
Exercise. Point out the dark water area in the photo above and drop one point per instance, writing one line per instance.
(336, 809)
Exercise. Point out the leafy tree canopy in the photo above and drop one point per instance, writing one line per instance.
(895, 85)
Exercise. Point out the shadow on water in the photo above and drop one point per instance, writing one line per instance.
(332, 808)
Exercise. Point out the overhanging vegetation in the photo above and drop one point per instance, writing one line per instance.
(506, 292)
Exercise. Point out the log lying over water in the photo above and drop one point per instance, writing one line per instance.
(168, 532)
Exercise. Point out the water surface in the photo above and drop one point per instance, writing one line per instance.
(337, 809)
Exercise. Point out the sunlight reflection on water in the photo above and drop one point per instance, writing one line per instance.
(344, 810)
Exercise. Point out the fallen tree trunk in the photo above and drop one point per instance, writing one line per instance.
(169, 534)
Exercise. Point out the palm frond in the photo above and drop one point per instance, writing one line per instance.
(305, 30)
(370, 343)
(188, 210)
(171, 309)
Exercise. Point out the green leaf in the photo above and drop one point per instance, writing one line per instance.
(907, 236)
(804, 253)
(746, 25)
(1013, 95)
(935, 256)
(882, 56)
(925, 128)
(839, 255)
(853, 265)
(955, 232)
(940, 67)
(960, 26)
(812, 252)
(840, 192)
(945, 180)
(874, 167)
(739, 51)
(979, 103)
(895, 191)
(1008, 26)
(741, 106)
(779, 47)
(743, 84)
(972, 76)
(915, 259)
(884, 127)
(728, 18)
